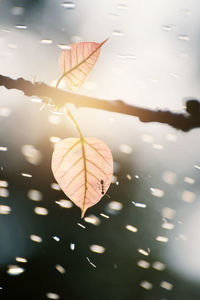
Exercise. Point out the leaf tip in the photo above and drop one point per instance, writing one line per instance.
(105, 41)
(83, 212)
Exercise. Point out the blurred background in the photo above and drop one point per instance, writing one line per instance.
(143, 241)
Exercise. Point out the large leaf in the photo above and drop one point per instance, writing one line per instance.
(83, 168)
(77, 62)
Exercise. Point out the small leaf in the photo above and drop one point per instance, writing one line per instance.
(83, 168)
(77, 62)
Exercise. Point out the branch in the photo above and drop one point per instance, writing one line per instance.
(183, 121)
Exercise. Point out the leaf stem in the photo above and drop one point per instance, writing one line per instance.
(83, 210)
(75, 123)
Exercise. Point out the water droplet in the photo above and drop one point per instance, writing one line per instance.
(55, 186)
(188, 196)
(3, 148)
(97, 249)
(64, 203)
(137, 204)
(91, 262)
(26, 175)
(125, 149)
(60, 269)
(171, 137)
(117, 33)
(143, 252)
(4, 209)
(189, 180)
(122, 6)
(169, 177)
(105, 216)
(31, 154)
(157, 192)
(159, 266)
(175, 75)
(81, 225)
(64, 46)
(53, 119)
(147, 138)
(72, 246)
(53, 296)
(143, 264)
(55, 139)
(36, 238)
(12, 46)
(19, 26)
(131, 228)
(5, 111)
(34, 195)
(113, 16)
(46, 41)
(128, 176)
(162, 239)
(92, 219)
(36, 99)
(184, 55)
(166, 285)
(68, 5)
(15, 270)
(146, 285)
(126, 56)
(41, 211)
(17, 10)
(157, 146)
(3, 183)
(183, 37)
(185, 12)
(168, 27)
(4, 192)
(76, 39)
(114, 179)
(114, 206)
(168, 213)
(168, 226)
(21, 259)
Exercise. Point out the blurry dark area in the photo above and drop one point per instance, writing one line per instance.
(141, 241)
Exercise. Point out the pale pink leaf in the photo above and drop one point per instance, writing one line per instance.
(83, 169)
(77, 62)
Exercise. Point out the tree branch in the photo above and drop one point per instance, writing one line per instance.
(183, 121)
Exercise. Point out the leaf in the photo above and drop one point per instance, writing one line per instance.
(83, 168)
(77, 62)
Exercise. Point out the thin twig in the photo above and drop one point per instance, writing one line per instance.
(184, 121)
